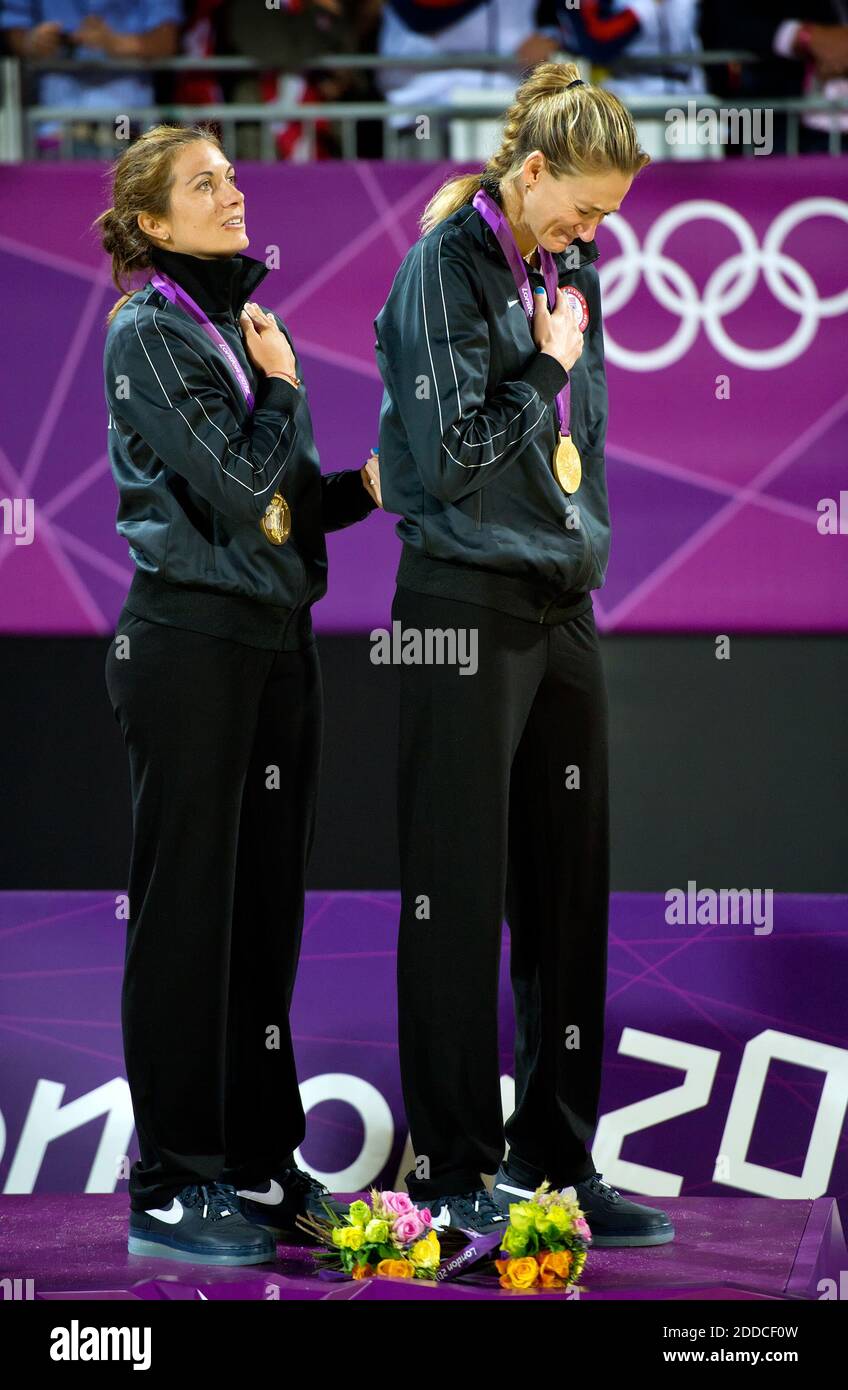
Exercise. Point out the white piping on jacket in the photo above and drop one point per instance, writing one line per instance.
(491, 438)
(172, 405)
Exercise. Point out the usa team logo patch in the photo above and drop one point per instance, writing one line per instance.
(578, 306)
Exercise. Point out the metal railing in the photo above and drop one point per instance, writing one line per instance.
(19, 123)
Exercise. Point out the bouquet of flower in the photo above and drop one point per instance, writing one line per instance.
(391, 1236)
(545, 1243)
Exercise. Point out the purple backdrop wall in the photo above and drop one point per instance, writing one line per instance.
(726, 286)
(726, 1056)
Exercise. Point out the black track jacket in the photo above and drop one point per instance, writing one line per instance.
(468, 426)
(195, 469)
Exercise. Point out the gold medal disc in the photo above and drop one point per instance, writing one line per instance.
(566, 462)
(276, 523)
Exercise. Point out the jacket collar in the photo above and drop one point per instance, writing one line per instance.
(587, 250)
(219, 286)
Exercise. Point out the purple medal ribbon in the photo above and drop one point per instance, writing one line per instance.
(177, 295)
(495, 218)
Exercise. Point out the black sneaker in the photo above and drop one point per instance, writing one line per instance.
(276, 1203)
(469, 1211)
(506, 1189)
(612, 1219)
(202, 1224)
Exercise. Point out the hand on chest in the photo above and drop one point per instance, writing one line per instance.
(511, 330)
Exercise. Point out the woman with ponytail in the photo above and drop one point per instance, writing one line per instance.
(214, 678)
(492, 433)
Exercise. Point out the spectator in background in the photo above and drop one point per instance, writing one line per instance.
(290, 36)
(603, 31)
(802, 46)
(44, 29)
(420, 28)
(200, 39)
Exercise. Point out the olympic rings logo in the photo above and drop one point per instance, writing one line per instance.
(728, 287)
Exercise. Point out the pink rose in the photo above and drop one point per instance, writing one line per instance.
(398, 1203)
(408, 1227)
(582, 1228)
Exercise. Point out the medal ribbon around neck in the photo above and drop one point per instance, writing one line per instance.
(566, 458)
(276, 522)
(177, 295)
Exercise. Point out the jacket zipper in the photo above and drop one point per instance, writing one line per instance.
(585, 568)
(304, 577)
(590, 556)
(581, 577)
(304, 580)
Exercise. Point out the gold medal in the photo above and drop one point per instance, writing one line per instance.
(566, 461)
(276, 523)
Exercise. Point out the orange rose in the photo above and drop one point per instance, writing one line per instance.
(362, 1271)
(396, 1269)
(555, 1264)
(519, 1274)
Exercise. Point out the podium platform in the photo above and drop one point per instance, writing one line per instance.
(73, 1246)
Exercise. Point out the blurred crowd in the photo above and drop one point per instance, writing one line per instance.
(801, 47)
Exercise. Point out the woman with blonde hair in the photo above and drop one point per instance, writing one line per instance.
(492, 433)
(214, 678)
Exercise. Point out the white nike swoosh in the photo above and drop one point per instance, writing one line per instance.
(271, 1198)
(510, 302)
(171, 1214)
(517, 1191)
(441, 1220)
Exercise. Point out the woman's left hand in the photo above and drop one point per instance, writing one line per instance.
(370, 473)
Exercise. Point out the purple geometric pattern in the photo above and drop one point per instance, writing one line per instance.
(688, 1004)
(713, 501)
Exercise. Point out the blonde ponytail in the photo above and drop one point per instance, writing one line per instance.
(579, 129)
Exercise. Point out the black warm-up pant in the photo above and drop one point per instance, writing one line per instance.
(502, 811)
(216, 892)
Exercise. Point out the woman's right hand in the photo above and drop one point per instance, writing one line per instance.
(266, 345)
(556, 333)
